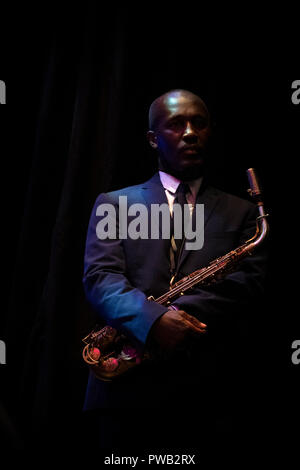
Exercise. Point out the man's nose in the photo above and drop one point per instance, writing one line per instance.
(189, 133)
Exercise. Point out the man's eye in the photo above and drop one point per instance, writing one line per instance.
(199, 123)
(178, 124)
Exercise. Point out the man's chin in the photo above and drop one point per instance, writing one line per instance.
(190, 175)
(189, 169)
(192, 170)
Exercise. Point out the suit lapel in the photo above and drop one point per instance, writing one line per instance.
(209, 197)
(153, 193)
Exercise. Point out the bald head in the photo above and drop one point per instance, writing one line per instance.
(169, 101)
(179, 130)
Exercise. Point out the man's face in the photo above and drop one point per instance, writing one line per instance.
(181, 133)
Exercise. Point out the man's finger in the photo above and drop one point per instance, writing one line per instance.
(194, 328)
(194, 321)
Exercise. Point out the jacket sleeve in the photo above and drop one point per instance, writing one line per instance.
(107, 288)
(230, 298)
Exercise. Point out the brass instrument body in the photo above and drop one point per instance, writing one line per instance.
(110, 354)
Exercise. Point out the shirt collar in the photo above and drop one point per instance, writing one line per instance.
(171, 183)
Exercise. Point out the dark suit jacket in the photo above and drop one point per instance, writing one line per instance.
(120, 274)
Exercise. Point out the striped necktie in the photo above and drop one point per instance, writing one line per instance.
(180, 198)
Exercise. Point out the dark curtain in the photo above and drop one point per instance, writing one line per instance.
(73, 160)
(97, 73)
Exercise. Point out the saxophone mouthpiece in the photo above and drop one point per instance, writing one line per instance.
(254, 190)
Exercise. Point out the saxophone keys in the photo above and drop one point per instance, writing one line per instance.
(110, 364)
(91, 354)
(95, 354)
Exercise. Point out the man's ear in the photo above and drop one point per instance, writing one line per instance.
(152, 139)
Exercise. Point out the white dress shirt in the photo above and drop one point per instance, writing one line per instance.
(171, 183)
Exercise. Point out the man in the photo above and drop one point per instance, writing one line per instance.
(198, 330)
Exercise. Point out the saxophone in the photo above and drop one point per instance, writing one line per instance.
(110, 354)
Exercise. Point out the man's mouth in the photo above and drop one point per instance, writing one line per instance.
(191, 150)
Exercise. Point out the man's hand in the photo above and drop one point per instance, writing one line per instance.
(174, 328)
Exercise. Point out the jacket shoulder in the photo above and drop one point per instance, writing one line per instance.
(132, 192)
(113, 196)
(232, 201)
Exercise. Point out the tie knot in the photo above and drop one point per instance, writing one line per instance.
(180, 195)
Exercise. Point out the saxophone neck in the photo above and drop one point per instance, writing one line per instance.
(262, 228)
(262, 221)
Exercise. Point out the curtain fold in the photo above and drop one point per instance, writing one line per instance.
(73, 162)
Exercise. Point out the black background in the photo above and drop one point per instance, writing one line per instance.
(146, 53)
